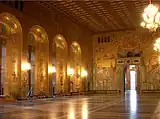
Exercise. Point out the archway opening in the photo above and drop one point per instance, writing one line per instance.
(75, 63)
(31, 47)
(2, 64)
(37, 50)
(10, 45)
(59, 60)
(130, 78)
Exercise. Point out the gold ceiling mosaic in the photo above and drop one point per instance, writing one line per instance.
(101, 15)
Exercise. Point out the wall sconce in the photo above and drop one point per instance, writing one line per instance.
(51, 69)
(84, 73)
(70, 71)
(26, 66)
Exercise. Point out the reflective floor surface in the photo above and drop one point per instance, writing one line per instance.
(86, 107)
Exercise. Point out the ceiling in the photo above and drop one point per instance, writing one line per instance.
(101, 15)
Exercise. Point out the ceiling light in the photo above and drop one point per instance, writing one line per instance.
(157, 45)
(143, 24)
(151, 17)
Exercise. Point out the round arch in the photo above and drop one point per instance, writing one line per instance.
(38, 54)
(75, 62)
(59, 60)
(60, 41)
(76, 47)
(11, 45)
(37, 33)
(11, 21)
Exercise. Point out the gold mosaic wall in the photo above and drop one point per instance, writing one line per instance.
(61, 55)
(11, 32)
(75, 63)
(110, 47)
(16, 80)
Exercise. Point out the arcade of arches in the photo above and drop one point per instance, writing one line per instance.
(32, 63)
(25, 67)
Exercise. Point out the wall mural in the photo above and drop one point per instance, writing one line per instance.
(11, 30)
(38, 40)
(76, 65)
(129, 44)
(60, 47)
(152, 73)
(41, 74)
(106, 77)
(42, 63)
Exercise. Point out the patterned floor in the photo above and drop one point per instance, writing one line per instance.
(86, 107)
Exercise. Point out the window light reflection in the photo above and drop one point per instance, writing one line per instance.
(85, 110)
(133, 101)
(133, 104)
(71, 113)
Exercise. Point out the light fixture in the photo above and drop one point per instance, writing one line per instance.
(157, 45)
(15, 26)
(59, 37)
(26, 66)
(75, 44)
(38, 30)
(84, 73)
(151, 17)
(7, 17)
(79, 49)
(159, 59)
(70, 71)
(51, 69)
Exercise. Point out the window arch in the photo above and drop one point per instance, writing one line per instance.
(75, 63)
(38, 54)
(59, 60)
(11, 45)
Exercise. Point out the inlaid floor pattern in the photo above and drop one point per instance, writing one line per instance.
(130, 106)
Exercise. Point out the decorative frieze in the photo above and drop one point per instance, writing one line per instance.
(126, 48)
(128, 61)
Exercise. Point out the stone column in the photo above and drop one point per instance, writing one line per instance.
(138, 80)
(120, 78)
(141, 77)
(94, 77)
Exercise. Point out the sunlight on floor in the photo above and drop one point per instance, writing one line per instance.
(85, 110)
(133, 80)
(133, 104)
(71, 113)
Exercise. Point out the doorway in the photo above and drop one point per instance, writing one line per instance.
(3, 65)
(31, 72)
(54, 76)
(130, 78)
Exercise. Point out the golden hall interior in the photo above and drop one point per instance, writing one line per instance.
(70, 48)
(43, 52)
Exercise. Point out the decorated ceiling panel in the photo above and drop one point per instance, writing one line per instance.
(101, 15)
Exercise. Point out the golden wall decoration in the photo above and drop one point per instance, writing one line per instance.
(18, 66)
(108, 74)
(12, 32)
(38, 40)
(75, 63)
(60, 48)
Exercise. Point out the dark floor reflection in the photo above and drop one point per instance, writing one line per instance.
(132, 106)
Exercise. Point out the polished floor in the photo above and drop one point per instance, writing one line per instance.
(112, 106)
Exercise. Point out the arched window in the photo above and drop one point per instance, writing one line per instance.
(10, 51)
(60, 53)
(38, 53)
(75, 63)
